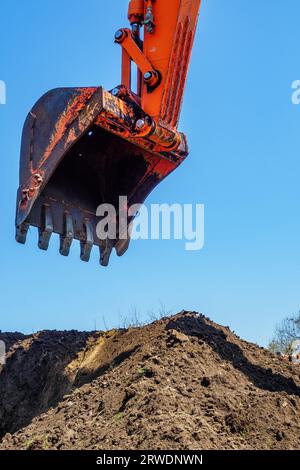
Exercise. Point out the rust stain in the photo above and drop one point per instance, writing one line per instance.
(34, 184)
(68, 116)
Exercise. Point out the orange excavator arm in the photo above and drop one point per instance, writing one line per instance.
(163, 57)
(84, 147)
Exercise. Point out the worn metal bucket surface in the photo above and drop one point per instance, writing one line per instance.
(79, 151)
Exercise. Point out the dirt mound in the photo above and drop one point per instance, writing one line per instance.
(180, 383)
(11, 338)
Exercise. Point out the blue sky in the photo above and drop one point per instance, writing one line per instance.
(244, 166)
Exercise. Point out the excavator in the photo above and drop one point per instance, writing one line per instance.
(83, 147)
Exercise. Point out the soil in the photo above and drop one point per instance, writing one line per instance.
(182, 382)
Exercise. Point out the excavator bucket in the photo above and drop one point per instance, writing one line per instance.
(83, 147)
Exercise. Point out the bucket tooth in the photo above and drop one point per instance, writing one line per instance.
(105, 252)
(68, 237)
(122, 246)
(21, 233)
(87, 245)
(47, 229)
